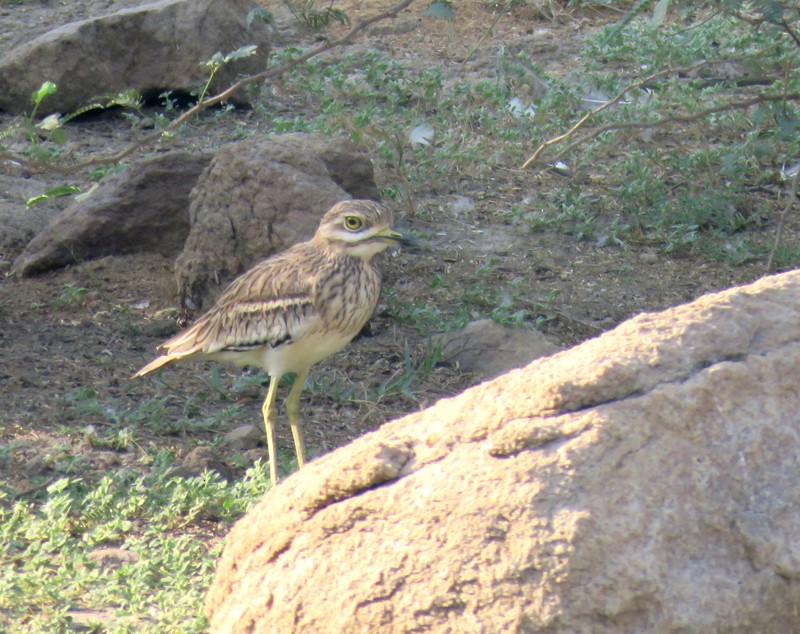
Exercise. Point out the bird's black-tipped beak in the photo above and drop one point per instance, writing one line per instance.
(406, 240)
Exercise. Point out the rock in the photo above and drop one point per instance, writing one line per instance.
(202, 459)
(644, 481)
(243, 438)
(260, 196)
(144, 208)
(35, 466)
(149, 48)
(112, 557)
(159, 328)
(488, 349)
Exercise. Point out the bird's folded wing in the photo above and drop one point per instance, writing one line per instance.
(270, 304)
(244, 325)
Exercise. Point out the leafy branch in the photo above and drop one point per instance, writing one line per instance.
(220, 97)
(661, 122)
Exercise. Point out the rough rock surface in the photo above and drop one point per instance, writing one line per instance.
(488, 349)
(150, 48)
(644, 481)
(144, 208)
(260, 196)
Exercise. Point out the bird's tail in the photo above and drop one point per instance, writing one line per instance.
(154, 365)
(183, 345)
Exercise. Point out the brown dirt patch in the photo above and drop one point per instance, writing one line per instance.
(70, 339)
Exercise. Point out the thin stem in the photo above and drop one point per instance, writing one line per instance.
(270, 73)
(615, 100)
(680, 118)
(791, 197)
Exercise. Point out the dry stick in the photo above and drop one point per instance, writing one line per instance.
(359, 26)
(790, 31)
(488, 31)
(787, 207)
(616, 99)
(593, 113)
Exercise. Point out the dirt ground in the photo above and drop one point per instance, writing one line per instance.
(71, 338)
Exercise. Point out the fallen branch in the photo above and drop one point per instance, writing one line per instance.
(271, 73)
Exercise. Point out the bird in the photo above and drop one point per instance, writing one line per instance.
(294, 309)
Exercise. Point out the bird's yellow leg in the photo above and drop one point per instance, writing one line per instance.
(293, 410)
(268, 411)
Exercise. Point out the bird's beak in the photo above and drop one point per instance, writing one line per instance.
(404, 239)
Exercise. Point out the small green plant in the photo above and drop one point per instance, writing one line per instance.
(51, 128)
(413, 373)
(161, 526)
(217, 61)
(307, 14)
(116, 439)
(54, 192)
(71, 295)
(46, 138)
(441, 9)
(261, 14)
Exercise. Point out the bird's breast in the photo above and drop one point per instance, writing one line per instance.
(348, 296)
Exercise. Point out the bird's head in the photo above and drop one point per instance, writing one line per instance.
(360, 228)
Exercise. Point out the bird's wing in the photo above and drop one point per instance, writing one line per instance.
(270, 304)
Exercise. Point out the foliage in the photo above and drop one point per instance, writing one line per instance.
(46, 137)
(158, 523)
(218, 60)
(735, 109)
(307, 13)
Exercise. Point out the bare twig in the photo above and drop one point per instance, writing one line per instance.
(680, 118)
(790, 32)
(550, 311)
(619, 97)
(223, 96)
(791, 197)
(616, 99)
(506, 8)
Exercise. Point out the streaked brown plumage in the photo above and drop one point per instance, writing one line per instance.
(296, 308)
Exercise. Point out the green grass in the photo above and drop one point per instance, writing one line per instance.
(413, 373)
(490, 294)
(167, 526)
(377, 102)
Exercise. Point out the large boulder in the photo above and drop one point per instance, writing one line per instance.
(644, 481)
(260, 196)
(143, 208)
(150, 48)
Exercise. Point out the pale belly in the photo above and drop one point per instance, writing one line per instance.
(300, 355)
(287, 357)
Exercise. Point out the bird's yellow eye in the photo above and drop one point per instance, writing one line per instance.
(353, 223)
